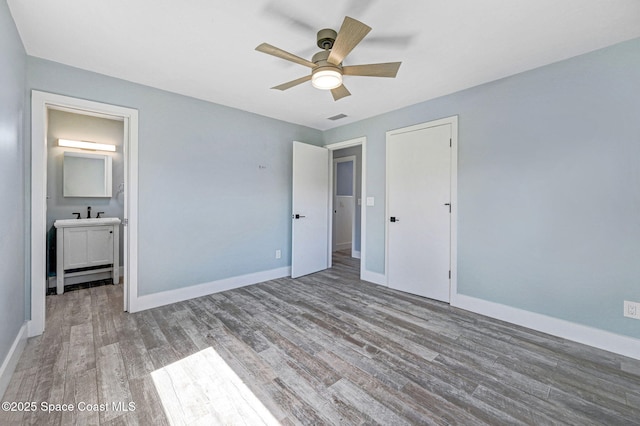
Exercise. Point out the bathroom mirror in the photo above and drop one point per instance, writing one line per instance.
(86, 175)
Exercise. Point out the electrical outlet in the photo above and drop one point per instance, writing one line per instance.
(278, 254)
(631, 309)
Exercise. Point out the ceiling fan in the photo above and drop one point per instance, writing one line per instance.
(326, 66)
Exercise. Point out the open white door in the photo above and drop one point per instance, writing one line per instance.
(310, 209)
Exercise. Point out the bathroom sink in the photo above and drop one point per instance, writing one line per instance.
(65, 223)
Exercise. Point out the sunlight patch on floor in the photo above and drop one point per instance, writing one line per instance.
(203, 389)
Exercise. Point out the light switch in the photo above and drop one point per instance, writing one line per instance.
(359, 201)
(371, 201)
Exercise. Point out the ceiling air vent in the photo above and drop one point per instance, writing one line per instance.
(337, 117)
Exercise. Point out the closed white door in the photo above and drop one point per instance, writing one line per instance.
(310, 208)
(418, 210)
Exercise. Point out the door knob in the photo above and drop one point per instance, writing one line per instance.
(394, 219)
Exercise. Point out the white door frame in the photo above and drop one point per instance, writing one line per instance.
(453, 121)
(41, 102)
(362, 141)
(352, 159)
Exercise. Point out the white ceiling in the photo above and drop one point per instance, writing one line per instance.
(205, 48)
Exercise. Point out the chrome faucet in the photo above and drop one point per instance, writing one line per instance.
(89, 212)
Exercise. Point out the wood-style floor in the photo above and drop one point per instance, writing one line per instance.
(322, 349)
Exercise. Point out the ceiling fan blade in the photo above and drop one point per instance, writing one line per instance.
(358, 7)
(279, 53)
(389, 69)
(351, 33)
(292, 83)
(340, 92)
(288, 18)
(398, 41)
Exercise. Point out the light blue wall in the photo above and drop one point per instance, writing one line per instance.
(548, 190)
(12, 206)
(345, 179)
(207, 210)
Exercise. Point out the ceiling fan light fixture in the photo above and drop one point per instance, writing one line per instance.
(326, 79)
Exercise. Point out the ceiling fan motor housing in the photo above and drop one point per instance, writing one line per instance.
(326, 38)
(321, 57)
(325, 75)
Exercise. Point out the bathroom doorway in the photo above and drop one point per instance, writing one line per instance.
(55, 116)
(350, 150)
(84, 183)
(345, 198)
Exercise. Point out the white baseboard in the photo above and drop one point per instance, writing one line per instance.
(31, 331)
(154, 300)
(373, 277)
(342, 246)
(11, 360)
(616, 343)
(355, 254)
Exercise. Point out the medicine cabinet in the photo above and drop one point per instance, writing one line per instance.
(86, 175)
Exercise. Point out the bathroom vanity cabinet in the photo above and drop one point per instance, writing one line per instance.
(86, 246)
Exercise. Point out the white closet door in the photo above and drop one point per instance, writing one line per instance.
(418, 206)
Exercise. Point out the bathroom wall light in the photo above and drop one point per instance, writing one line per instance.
(86, 145)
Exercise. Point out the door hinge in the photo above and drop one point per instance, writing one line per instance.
(450, 142)
(125, 222)
(449, 274)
